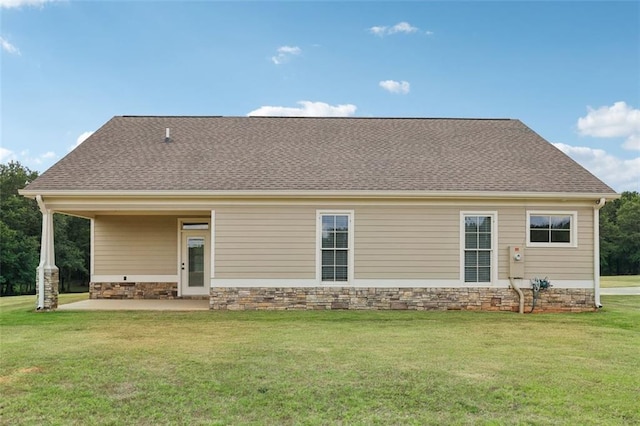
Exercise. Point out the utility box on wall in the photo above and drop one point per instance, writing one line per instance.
(516, 262)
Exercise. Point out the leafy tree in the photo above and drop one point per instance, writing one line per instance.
(19, 231)
(620, 235)
(20, 227)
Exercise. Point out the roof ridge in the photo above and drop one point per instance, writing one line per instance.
(315, 118)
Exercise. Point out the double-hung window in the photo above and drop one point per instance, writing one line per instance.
(335, 246)
(551, 229)
(478, 251)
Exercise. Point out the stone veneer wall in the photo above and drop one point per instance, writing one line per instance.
(133, 290)
(476, 299)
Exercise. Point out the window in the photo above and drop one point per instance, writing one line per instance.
(335, 246)
(551, 229)
(478, 252)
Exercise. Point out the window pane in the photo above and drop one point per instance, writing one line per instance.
(188, 226)
(341, 273)
(561, 222)
(484, 224)
(470, 258)
(484, 241)
(328, 257)
(471, 241)
(471, 275)
(328, 240)
(328, 223)
(484, 275)
(341, 257)
(539, 236)
(342, 223)
(328, 273)
(470, 224)
(539, 222)
(484, 258)
(342, 240)
(561, 236)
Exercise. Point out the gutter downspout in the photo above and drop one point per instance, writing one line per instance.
(43, 210)
(596, 250)
(520, 295)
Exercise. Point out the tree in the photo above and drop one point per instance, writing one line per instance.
(620, 235)
(20, 226)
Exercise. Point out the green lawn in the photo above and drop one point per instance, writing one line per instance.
(319, 367)
(620, 281)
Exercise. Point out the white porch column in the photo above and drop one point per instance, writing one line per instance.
(48, 275)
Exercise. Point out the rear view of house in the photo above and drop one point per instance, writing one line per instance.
(328, 213)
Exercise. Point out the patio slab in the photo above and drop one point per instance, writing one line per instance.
(136, 305)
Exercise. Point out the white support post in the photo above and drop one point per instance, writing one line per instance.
(48, 275)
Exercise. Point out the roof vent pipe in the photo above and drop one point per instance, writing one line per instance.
(167, 135)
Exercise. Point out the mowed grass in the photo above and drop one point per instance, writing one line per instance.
(319, 367)
(620, 281)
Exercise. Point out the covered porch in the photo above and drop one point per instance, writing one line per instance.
(145, 249)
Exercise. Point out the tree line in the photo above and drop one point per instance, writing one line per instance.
(21, 222)
(20, 230)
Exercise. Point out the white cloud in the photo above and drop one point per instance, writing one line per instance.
(83, 136)
(379, 31)
(38, 162)
(617, 120)
(285, 53)
(8, 47)
(9, 4)
(403, 27)
(620, 174)
(6, 155)
(393, 86)
(306, 109)
(400, 27)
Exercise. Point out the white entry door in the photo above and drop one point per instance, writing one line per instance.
(195, 277)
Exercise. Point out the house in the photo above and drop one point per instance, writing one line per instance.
(328, 213)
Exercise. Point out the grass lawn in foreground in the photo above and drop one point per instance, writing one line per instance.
(315, 367)
(620, 281)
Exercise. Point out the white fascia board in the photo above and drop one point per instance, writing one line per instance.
(322, 194)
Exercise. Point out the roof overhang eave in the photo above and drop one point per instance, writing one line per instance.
(178, 194)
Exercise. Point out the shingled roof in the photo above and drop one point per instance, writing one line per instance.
(316, 154)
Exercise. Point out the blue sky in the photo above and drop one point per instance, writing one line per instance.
(569, 70)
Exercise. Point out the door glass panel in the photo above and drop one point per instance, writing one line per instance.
(195, 246)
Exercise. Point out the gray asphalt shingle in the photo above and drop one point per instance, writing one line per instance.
(320, 154)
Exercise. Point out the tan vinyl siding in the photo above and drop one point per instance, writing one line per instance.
(265, 242)
(407, 242)
(423, 242)
(135, 245)
(390, 242)
(565, 263)
(559, 263)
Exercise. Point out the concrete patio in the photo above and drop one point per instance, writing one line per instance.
(136, 305)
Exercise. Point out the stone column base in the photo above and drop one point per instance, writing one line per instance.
(51, 281)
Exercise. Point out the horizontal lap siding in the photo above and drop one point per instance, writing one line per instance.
(407, 242)
(561, 263)
(265, 242)
(565, 263)
(135, 245)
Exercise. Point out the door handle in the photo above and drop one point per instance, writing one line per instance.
(182, 266)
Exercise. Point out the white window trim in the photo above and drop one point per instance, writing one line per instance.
(494, 246)
(573, 233)
(351, 257)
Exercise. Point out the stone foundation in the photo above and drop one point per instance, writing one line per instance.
(324, 298)
(133, 290)
(51, 281)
